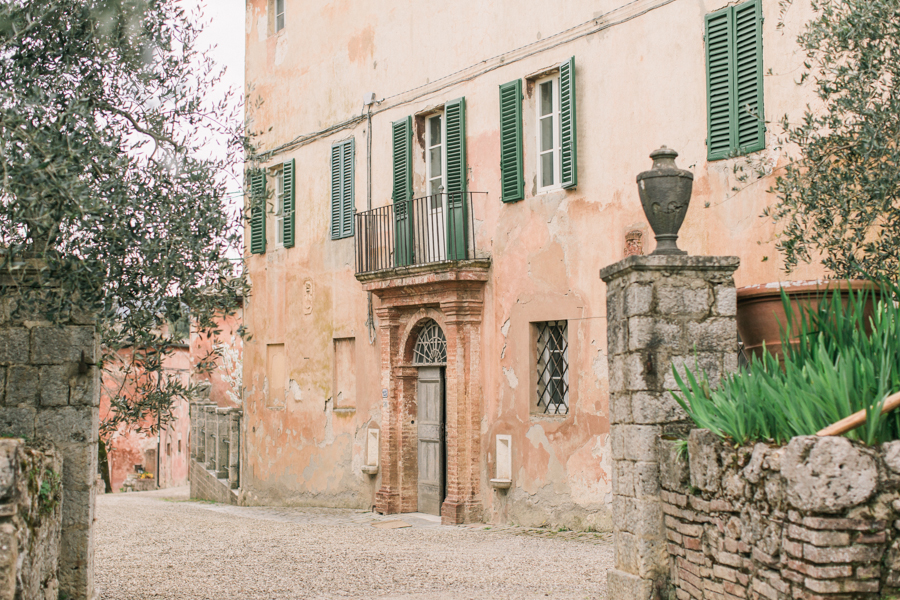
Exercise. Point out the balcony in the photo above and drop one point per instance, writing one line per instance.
(431, 230)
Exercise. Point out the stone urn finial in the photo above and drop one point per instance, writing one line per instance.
(665, 192)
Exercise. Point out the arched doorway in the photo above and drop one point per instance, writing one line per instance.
(430, 356)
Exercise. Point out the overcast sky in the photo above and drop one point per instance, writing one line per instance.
(224, 34)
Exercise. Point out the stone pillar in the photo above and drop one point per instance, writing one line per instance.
(223, 439)
(661, 311)
(212, 428)
(198, 426)
(52, 393)
(234, 448)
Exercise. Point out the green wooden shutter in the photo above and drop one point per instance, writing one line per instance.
(336, 188)
(719, 84)
(347, 187)
(457, 205)
(749, 124)
(257, 211)
(567, 129)
(734, 80)
(401, 134)
(289, 171)
(512, 182)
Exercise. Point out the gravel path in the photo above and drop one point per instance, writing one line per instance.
(159, 545)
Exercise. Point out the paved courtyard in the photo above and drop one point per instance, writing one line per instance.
(161, 545)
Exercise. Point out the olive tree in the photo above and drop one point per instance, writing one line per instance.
(840, 194)
(105, 111)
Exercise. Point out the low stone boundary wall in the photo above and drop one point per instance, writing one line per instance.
(818, 518)
(205, 486)
(30, 520)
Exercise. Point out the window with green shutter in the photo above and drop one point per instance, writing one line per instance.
(288, 203)
(457, 223)
(557, 138)
(567, 130)
(734, 79)
(401, 139)
(342, 205)
(257, 211)
(512, 182)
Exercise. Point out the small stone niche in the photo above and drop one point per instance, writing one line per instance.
(373, 438)
(503, 465)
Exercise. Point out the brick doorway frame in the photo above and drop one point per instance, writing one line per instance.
(452, 295)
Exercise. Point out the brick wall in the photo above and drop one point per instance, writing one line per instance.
(815, 519)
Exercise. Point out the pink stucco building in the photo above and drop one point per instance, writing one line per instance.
(443, 183)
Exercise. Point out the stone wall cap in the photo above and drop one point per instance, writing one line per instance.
(669, 263)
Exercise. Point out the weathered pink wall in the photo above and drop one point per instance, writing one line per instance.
(640, 84)
(225, 379)
(126, 448)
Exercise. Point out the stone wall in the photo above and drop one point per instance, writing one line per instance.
(30, 520)
(49, 391)
(818, 518)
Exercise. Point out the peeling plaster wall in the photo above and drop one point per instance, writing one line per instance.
(640, 84)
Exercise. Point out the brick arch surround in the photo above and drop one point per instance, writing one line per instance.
(453, 297)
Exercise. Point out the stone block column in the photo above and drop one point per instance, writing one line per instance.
(662, 311)
(223, 439)
(234, 447)
(52, 394)
(212, 429)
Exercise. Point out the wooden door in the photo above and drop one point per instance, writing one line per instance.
(430, 421)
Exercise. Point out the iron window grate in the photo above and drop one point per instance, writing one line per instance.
(553, 367)
(431, 345)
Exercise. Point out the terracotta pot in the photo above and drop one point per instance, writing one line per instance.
(761, 316)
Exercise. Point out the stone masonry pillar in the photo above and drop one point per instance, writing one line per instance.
(212, 427)
(223, 439)
(234, 447)
(50, 391)
(661, 311)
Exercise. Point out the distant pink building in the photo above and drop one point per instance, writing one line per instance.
(130, 452)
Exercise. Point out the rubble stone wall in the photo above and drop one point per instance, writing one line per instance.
(30, 520)
(818, 518)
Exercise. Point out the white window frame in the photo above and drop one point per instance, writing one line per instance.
(280, 14)
(557, 139)
(429, 144)
(279, 208)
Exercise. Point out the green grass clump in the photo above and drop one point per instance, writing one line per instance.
(832, 369)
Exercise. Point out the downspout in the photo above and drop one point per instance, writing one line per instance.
(370, 321)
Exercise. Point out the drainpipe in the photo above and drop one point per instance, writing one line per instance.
(370, 321)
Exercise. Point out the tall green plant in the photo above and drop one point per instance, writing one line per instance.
(837, 360)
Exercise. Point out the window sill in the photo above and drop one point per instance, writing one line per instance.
(549, 190)
(549, 417)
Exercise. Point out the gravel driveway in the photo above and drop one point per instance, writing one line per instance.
(159, 545)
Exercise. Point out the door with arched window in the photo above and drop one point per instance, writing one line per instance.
(430, 355)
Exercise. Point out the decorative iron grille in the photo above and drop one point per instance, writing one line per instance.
(553, 368)
(431, 229)
(431, 345)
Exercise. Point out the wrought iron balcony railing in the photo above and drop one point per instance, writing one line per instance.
(431, 229)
